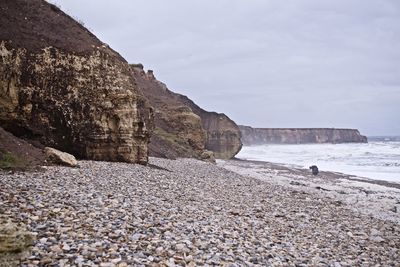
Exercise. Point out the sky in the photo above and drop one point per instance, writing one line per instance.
(265, 63)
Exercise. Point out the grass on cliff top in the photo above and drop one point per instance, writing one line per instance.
(9, 161)
(169, 137)
(174, 140)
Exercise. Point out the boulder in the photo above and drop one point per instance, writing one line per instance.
(59, 157)
(208, 156)
(15, 243)
(62, 87)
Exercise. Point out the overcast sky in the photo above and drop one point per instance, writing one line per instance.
(265, 63)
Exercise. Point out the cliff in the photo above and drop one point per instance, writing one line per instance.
(258, 136)
(64, 88)
(223, 135)
(183, 129)
(178, 131)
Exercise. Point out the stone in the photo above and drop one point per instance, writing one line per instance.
(62, 87)
(15, 242)
(181, 247)
(59, 157)
(207, 156)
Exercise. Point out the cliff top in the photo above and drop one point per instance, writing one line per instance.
(19, 23)
(292, 129)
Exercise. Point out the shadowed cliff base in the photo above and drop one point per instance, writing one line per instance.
(259, 136)
(183, 129)
(17, 154)
(61, 86)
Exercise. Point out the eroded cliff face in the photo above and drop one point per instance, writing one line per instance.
(178, 131)
(61, 86)
(182, 129)
(223, 136)
(259, 136)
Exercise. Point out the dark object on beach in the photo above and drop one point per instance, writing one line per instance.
(314, 169)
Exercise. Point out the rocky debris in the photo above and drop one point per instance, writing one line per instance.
(15, 242)
(196, 213)
(375, 198)
(59, 157)
(259, 136)
(207, 156)
(63, 87)
(17, 154)
(183, 129)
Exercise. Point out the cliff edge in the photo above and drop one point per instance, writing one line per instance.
(183, 129)
(64, 88)
(223, 135)
(259, 136)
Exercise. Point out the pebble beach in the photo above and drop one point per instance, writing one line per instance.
(187, 212)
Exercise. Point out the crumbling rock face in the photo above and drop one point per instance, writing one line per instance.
(223, 135)
(183, 129)
(259, 136)
(178, 131)
(63, 87)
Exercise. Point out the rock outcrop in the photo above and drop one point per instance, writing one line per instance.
(61, 86)
(223, 135)
(183, 129)
(15, 243)
(259, 136)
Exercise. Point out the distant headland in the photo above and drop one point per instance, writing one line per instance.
(259, 136)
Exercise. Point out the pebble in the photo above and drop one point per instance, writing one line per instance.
(187, 213)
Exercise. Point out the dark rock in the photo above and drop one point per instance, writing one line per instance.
(314, 169)
(16, 153)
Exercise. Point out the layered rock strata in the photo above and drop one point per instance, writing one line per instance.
(61, 86)
(223, 135)
(183, 129)
(259, 136)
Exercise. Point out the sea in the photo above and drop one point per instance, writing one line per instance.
(378, 159)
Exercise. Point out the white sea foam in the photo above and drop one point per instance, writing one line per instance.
(375, 160)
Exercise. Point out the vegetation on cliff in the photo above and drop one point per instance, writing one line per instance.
(183, 129)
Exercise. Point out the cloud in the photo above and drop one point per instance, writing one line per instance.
(270, 63)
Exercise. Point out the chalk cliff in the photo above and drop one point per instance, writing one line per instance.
(63, 87)
(183, 129)
(258, 136)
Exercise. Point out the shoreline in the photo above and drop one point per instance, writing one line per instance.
(187, 212)
(377, 198)
(331, 173)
